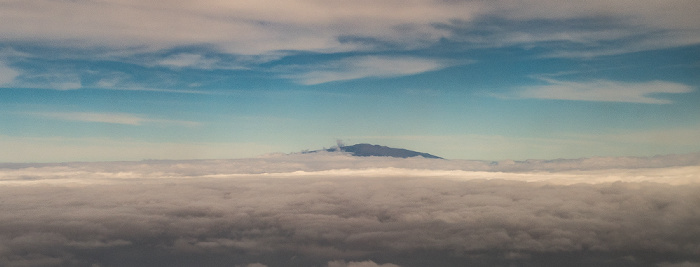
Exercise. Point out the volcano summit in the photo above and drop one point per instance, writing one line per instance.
(368, 150)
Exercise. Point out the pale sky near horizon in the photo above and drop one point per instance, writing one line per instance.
(130, 80)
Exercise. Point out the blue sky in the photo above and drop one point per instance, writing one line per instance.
(126, 80)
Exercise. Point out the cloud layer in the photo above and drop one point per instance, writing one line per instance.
(177, 213)
(263, 26)
(371, 38)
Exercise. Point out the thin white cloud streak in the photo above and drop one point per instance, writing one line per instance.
(71, 78)
(208, 62)
(11, 53)
(367, 66)
(672, 175)
(670, 169)
(675, 176)
(265, 26)
(114, 118)
(198, 61)
(7, 74)
(177, 212)
(188, 60)
(48, 79)
(108, 85)
(605, 91)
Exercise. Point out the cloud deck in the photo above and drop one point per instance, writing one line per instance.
(199, 213)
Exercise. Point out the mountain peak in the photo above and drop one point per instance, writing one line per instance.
(367, 150)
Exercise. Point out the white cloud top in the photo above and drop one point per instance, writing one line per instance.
(177, 212)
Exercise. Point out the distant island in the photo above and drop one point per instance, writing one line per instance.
(368, 150)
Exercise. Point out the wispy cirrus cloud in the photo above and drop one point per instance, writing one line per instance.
(206, 60)
(41, 76)
(366, 67)
(188, 60)
(58, 80)
(605, 91)
(113, 118)
(7, 74)
(66, 78)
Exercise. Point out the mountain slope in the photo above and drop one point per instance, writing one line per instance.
(367, 150)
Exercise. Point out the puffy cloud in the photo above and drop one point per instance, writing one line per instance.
(266, 211)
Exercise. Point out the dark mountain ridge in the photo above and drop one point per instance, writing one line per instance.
(367, 150)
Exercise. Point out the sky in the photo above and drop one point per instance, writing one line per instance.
(331, 209)
(130, 80)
